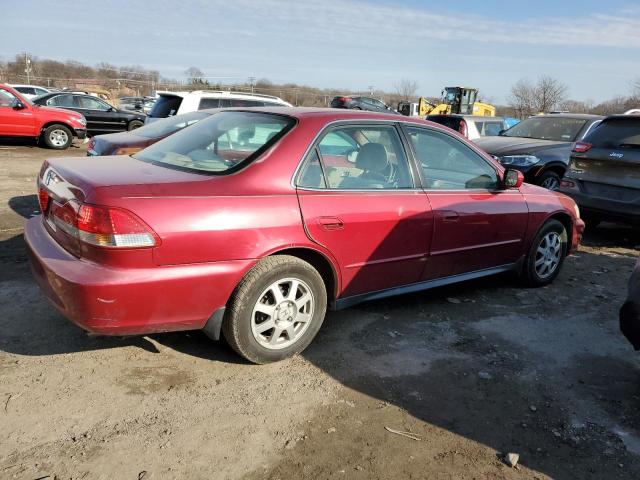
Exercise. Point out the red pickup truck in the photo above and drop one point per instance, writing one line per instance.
(55, 127)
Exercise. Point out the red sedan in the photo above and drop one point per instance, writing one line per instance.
(253, 223)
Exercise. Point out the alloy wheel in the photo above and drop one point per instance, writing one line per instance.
(548, 255)
(58, 137)
(282, 313)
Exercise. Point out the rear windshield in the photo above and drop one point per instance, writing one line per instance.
(549, 127)
(219, 144)
(618, 133)
(446, 120)
(170, 125)
(165, 106)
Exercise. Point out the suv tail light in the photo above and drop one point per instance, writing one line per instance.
(581, 147)
(463, 128)
(345, 99)
(102, 226)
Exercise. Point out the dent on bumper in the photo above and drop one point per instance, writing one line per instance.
(118, 301)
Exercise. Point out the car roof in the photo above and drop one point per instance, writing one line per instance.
(217, 93)
(336, 114)
(25, 85)
(466, 117)
(583, 116)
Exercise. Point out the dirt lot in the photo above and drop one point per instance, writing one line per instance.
(473, 370)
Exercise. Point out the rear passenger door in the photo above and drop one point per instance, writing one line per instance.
(358, 199)
(477, 225)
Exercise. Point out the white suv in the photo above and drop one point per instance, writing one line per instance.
(177, 103)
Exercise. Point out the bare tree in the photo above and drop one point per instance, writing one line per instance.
(194, 74)
(636, 88)
(549, 93)
(521, 98)
(406, 89)
(545, 95)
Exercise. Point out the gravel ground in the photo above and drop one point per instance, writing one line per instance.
(473, 371)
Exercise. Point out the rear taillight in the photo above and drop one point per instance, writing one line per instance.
(345, 99)
(463, 128)
(43, 199)
(581, 147)
(101, 226)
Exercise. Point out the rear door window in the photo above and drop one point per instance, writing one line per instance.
(619, 133)
(166, 106)
(209, 103)
(61, 101)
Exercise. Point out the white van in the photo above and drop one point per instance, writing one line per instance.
(177, 103)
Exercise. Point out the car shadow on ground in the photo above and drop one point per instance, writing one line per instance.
(30, 142)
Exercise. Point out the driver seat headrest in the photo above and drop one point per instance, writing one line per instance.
(372, 157)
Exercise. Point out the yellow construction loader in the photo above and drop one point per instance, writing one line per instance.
(454, 100)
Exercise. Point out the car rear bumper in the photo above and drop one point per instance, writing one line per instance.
(124, 301)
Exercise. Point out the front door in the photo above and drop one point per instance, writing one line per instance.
(358, 200)
(477, 224)
(15, 121)
(101, 117)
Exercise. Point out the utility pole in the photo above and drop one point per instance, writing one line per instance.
(371, 90)
(27, 67)
(252, 81)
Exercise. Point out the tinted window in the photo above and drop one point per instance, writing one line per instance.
(449, 164)
(364, 157)
(619, 133)
(239, 102)
(208, 103)
(165, 106)
(219, 143)
(26, 90)
(446, 120)
(91, 103)
(40, 91)
(167, 126)
(62, 101)
(549, 127)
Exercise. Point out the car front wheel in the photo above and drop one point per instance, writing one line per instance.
(57, 137)
(546, 254)
(276, 310)
(549, 180)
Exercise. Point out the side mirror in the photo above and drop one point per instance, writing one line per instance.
(17, 104)
(512, 178)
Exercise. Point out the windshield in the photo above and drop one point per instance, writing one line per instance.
(170, 125)
(219, 144)
(549, 127)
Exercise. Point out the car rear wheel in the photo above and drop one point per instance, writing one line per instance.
(276, 310)
(57, 137)
(549, 180)
(133, 124)
(546, 254)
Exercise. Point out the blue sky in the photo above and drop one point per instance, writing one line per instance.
(592, 46)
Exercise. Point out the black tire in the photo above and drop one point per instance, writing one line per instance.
(530, 275)
(237, 322)
(549, 180)
(57, 137)
(133, 124)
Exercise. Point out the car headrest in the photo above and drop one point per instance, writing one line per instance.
(372, 157)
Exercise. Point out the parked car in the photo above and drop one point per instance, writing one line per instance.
(604, 173)
(54, 127)
(126, 143)
(255, 222)
(177, 103)
(471, 126)
(540, 146)
(630, 311)
(137, 104)
(101, 116)
(361, 103)
(29, 91)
